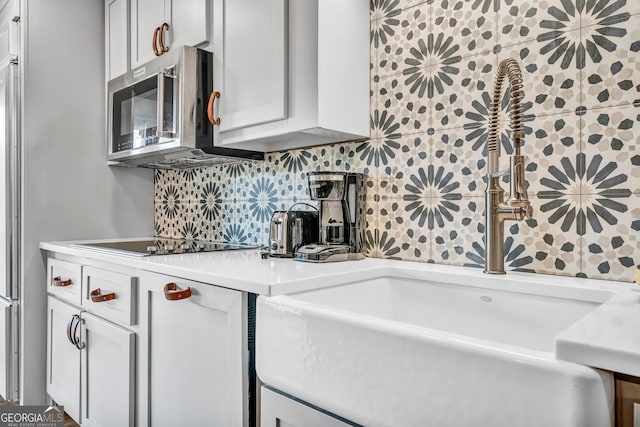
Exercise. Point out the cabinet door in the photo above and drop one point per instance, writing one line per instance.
(189, 22)
(188, 25)
(108, 364)
(277, 410)
(116, 13)
(63, 358)
(193, 355)
(146, 16)
(250, 45)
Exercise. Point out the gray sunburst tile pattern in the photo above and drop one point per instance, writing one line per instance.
(614, 253)
(400, 230)
(432, 71)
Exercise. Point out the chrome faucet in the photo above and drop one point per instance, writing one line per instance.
(517, 207)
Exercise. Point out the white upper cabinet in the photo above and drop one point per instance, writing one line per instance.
(187, 24)
(251, 61)
(116, 15)
(291, 73)
(189, 20)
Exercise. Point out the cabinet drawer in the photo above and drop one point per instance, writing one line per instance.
(64, 279)
(110, 294)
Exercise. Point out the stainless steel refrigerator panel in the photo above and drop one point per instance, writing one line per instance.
(9, 184)
(8, 350)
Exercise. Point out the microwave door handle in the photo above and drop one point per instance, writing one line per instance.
(160, 131)
(160, 109)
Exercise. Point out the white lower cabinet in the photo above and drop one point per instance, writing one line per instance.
(90, 366)
(63, 357)
(193, 353)
(277, 410)
(107, 373)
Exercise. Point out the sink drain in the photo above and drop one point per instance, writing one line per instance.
(486, 299)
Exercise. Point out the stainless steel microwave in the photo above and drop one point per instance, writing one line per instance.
(160, 115)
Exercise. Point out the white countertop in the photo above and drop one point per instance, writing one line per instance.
(607, 338)
(241, 269)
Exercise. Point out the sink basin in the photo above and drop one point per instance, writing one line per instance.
(442, 347)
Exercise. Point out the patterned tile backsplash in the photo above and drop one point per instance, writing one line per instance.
(432, 70)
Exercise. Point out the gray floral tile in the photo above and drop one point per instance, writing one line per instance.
(460, 87)
(169, 211)
(553, 139)
(279, 167)
(466, 23)
(407, 110)
(379, 9)
(189, 181)
(560, 195)
(610, 142)
(255, 230)
(350, 157)
(584, 194)
(213, 180)
(247, 178)
(453, 152)
(371, 226)
(191, 225)
(542, 244)
(403, 35)
(459, 230)
(611, 51)
(551, 75)
(614, 253)
(400, 234)
(414, 154)
(160, 178)
(519, 21)
(175, 180)
(299, 162)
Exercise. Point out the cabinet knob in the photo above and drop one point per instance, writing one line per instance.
(173, 293)
(162, 28)
(57, 281)
(96, 296)
(154, 42)
(214, 95)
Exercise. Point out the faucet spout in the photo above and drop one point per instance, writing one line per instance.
(517, 207)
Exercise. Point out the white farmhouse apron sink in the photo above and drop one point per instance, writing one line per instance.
(440, 347)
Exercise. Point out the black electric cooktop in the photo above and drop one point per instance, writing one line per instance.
(161, 246)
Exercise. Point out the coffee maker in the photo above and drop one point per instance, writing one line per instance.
(341, 220)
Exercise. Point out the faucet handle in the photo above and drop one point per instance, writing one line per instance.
(498, 174)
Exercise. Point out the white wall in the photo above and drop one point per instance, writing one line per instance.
(68, 190)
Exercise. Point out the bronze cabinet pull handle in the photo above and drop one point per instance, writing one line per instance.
(57, 281)
(173, 293)
(154, 42)
(163, 48)
(212, 99)
(96, 296)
